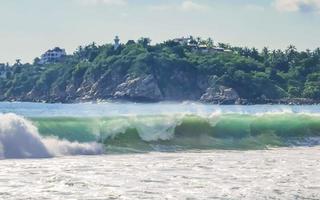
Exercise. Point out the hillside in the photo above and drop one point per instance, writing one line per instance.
(169, 71)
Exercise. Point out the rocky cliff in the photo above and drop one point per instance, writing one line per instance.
(179, 86)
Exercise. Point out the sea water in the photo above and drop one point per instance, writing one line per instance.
(159, 151)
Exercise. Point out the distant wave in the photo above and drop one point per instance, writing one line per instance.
(19, 138)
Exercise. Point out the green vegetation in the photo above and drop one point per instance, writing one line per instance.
(253, 74)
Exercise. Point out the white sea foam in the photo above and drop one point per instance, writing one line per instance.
(19, 138)
(285, 173)
(157, 128)
(151, 128)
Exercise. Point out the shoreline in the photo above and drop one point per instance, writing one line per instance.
(284, 101)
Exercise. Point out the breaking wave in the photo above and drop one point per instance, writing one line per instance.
(188, 132)
(19, 138)
(44, 137)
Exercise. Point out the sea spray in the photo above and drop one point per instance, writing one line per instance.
(63, 147)
(145, 133)
(19, 138)
(149, 128)
(155, 128)
(215, 131)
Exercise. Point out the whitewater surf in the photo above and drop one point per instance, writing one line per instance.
(140, 129)
(159, 151)
(19, 138)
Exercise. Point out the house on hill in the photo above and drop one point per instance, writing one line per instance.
(52, 56)
(183, 40)
(200, 47)
(206, 49)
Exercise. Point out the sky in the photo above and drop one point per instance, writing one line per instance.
(30, 27)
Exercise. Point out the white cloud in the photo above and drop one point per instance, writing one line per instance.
(104, 2)
(297, 5)
(192, 6)
(185, 6)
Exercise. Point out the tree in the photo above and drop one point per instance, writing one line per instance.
(198, 39)
(316, 52)
(130, 42)
(18, 62)
(145, 42)
(209, 42)
(265, 53)
(36, 61)
(312, 90)
(193, 41)
(224, 46)
(255, 54)
(291, 53)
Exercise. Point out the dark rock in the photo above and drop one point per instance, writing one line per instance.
(181, 86)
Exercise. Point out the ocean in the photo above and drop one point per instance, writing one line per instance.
(159, 151)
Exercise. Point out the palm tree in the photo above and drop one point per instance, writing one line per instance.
(209, 42)
(18, 62)
(144, 41)
(198, 40)
(224, 46)
(291, 52)
(317, 52)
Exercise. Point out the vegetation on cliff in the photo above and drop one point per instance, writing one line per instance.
(167, 71)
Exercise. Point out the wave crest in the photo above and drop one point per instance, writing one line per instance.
(19, 138)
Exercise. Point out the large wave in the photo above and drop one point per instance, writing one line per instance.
(180, 132)
(54, 136)
(19, 138)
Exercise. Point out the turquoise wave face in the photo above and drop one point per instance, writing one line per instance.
(185, 132)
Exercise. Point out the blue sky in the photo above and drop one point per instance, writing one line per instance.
(29, 27)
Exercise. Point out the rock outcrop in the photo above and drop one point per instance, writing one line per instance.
(139, 89)
(220, 95)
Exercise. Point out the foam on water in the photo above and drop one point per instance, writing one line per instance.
(151, 128)
(193, 131)
(19, 138)
(53, 129)
(282, 173)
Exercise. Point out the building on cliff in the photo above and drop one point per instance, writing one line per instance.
(53, 55)
(206, 49)
(183, 40)
(197, 46)
(116, 43)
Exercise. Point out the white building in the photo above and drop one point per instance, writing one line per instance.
(183, 40)
(196, 47)
(116, 43)
(52, 55)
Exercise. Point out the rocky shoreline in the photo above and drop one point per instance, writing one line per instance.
(148, 89)
(239, 102)
(217, 101)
